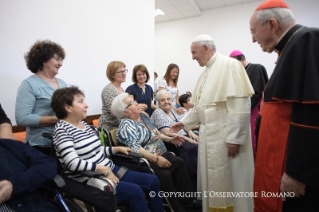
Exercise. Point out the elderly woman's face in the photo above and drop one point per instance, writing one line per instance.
(165, 102)
(120, 74)
(132, 106)
(53, 65)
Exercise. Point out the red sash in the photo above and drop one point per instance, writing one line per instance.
(271, 155)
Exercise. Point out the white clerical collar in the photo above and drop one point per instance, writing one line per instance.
(211, 60)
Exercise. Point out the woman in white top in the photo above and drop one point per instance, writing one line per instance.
(169, 82)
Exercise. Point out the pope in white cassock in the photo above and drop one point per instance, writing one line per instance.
(222, 104)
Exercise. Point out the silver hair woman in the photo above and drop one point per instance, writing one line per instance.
(137, 132)
(163, 118)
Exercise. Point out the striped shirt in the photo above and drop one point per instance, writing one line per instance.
(5, 208)
(79, 149)
(135, 134)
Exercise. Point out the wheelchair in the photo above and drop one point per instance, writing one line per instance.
(140, 165)
(92, 197)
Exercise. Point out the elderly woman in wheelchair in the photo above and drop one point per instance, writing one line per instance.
(137, 132)
(79, 149)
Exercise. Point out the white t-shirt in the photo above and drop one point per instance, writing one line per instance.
(162, 84)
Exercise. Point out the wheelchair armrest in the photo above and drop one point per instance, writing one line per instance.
(90, 174)
(133, 155)
(58, 180)
(47, 135)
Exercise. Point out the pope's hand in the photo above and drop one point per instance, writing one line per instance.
(176, 127)
(289, 184)
(232, 149)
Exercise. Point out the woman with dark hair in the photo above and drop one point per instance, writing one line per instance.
(169, 82)
(140, 91)
(116, 73)
(32, 109)
(79, 149)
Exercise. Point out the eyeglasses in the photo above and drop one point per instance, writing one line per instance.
(58, 58)
(131, 103)
(121, 72)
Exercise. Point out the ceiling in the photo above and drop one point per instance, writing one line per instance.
(179, 9)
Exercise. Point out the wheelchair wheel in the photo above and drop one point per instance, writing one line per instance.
(72, 205)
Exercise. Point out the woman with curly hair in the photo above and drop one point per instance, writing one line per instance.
(33, 103)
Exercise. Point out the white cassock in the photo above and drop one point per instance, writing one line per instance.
(222, 105)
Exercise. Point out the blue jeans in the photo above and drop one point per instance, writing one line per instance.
(131, 190)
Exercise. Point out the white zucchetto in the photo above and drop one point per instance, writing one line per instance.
(203, 37)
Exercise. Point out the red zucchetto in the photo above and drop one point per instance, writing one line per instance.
(272, 4)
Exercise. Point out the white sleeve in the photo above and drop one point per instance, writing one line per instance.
(238, 120)
(190, 119)
(162, 84)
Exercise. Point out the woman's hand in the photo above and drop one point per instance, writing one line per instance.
(163, 163)
(190, 140)
(179, 110)
(142, 106)
(113, 178)
(107, 171)
(192, 135)
(178, 139)
(122, 149)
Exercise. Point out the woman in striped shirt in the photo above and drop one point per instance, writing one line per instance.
(79, 149)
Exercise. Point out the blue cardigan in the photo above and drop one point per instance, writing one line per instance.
(27, 169)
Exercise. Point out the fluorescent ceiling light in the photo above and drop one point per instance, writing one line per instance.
(159, 12)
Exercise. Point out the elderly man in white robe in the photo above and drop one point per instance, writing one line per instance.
(222, 104)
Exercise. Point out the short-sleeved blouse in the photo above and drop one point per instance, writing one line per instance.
(162, 84)
(140, 96)
(135, 134)
(107, 120)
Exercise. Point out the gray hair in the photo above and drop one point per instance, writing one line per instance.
(161, 92)
(209, 43)
(118, 105)
(283, 15)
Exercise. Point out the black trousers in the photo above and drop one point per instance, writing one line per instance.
(306, 203)
(174, 178)
(189, 153)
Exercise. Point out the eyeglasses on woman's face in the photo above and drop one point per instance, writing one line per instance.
(58, 58)
(122, 72)
(131, 103)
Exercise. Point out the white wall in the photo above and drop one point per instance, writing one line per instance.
(229, 28)
(93, 33)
